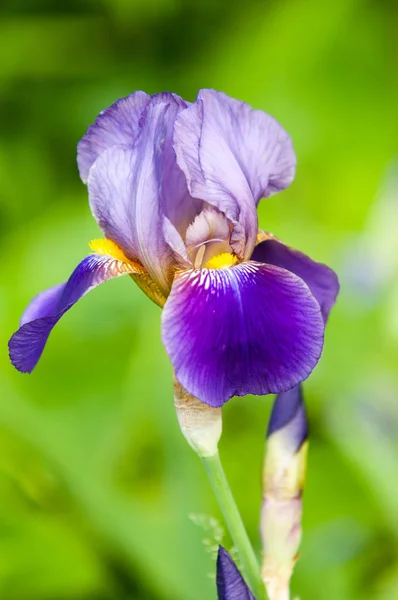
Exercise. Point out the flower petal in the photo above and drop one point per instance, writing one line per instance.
(176, 243)
(321, 280)
(248, 329)
(232, 156)
(46, 309)
(178, 205)
(42, 304)
(230, 583)
(117, 125)
(127, 192)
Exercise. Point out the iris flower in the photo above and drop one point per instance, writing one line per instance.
(174, 187)
(230, 583)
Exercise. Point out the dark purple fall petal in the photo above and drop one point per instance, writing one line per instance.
(289, 411)
(46, 309)
(232, 156)
(230, 583)
(117, 125)
(249, 329)
(321, 280)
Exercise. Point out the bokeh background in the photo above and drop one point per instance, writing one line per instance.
(100, 497)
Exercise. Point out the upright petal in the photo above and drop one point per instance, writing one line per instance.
(179, 206)
(118, 125)
(230, 583)
(46, 309)
(126, 191)
(321, 280)
(232, 156)
(248, 329)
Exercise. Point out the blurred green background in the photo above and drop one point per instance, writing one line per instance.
(96, 483)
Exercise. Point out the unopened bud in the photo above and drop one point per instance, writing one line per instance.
(200, 424)
(283, 483)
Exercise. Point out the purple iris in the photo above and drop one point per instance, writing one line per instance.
(174, 187)
(230, 583)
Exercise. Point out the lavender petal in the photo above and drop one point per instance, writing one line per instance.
(130, 197)
(118, 125)
(232, 156)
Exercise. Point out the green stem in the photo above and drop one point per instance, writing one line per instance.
(219, 482)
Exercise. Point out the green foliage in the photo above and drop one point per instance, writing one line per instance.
(96, 482)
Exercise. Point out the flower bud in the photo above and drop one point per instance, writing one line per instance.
(201, 425)
(230, 583)
(283, 483)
